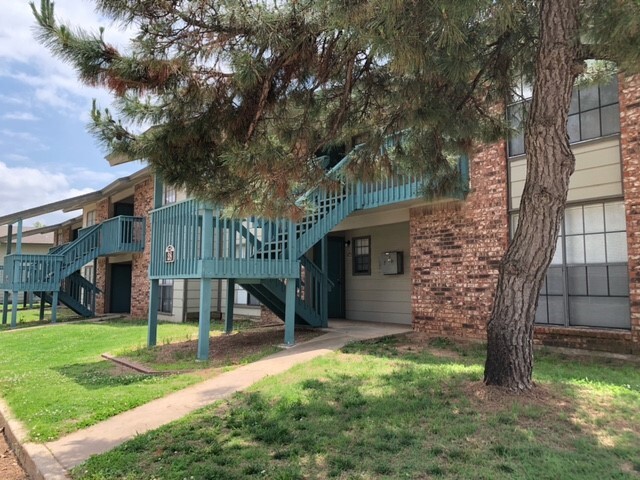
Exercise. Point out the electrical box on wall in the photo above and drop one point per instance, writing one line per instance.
(391, 263)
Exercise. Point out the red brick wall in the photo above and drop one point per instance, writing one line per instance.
(456, 249)
(629, 91)
(142, 205)
(102, 265)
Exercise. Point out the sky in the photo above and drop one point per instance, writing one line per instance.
(46, 153)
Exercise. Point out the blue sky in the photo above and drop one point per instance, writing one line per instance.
(46, 153)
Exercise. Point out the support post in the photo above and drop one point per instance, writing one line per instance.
(290, 312)
(204, 324)
(41, 306)
(5, 306)
(14, 310)
(154, 287)
(54, 307)
(154, 298)
(324, 300)
(19, 238)
(228, 316)
(5, 299)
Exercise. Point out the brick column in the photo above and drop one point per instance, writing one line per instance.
(142, 205)
(629, 92)
(456, 248)
(102, 214)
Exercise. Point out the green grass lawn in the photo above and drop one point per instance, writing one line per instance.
(30, 317)
(392, 409)
(55, 381)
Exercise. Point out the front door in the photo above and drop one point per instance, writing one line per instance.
(120, 299)
(335, 260)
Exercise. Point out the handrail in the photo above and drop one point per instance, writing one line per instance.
(311, 266)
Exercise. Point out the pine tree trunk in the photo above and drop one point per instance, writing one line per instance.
(550, 163)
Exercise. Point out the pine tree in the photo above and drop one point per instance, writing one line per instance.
(235, 98)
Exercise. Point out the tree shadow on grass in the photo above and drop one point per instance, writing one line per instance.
(99, 375)
(367, 418)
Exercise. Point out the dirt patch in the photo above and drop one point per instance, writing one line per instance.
(492, 399)
(225, 350)
(10, 469)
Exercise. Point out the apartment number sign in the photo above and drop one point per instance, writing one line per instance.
(169, 254)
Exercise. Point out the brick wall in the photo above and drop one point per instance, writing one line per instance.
(455, 251)
(142, 205)
(629, 91)
(102, 213)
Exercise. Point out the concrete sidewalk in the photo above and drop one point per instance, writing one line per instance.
(55, 458)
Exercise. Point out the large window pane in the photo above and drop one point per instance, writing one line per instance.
(541, 310)
(615, 218)
(594, 218)
(555, 282)
(575, 249)
(608, 312)
(590, 124)
(609, 92)
(573, 222)
(556, 310)
(597, 279)
(594, 248)
(616, 247)
(589, 98)
(577, 280)
(573, 127)
(610, 118)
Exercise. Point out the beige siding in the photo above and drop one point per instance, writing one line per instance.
(597, 173)
(378, 297)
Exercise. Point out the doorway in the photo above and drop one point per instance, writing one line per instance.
(120, 298)
(336, 273)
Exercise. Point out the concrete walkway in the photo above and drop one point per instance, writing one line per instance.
(55, 458)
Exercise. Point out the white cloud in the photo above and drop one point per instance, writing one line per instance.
(20, 116)
(16, 157)
(25, 138)
(54, 82)
(22, 188)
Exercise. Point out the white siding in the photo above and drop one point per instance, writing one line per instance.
(598, 173)
(378, 297)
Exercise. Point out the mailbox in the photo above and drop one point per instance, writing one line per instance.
(391, 263)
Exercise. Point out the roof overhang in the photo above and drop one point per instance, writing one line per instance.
(75, 203)
(42, 230)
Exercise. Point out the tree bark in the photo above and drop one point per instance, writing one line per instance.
(550, 163)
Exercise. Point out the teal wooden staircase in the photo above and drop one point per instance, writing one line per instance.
(192, 239)
(58, 271)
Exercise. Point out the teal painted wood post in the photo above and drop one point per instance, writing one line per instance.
(464, 174)
(290, 313)
(5, 306)
(41, 306)
(154, 299)
(228, 316)
(154, 288)
(19, 238)
(324, 300)
(14, 295)
(14, 309)
(204, 324)
(5, 300)
(54, 307)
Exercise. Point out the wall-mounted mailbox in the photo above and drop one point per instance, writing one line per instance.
(391, 263)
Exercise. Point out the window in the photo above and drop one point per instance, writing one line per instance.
(91, 218)
(242, 297)
(362, 256)
(587, 284)
(88, 273)
(165, 305)
(170, 195)
(594, 113)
